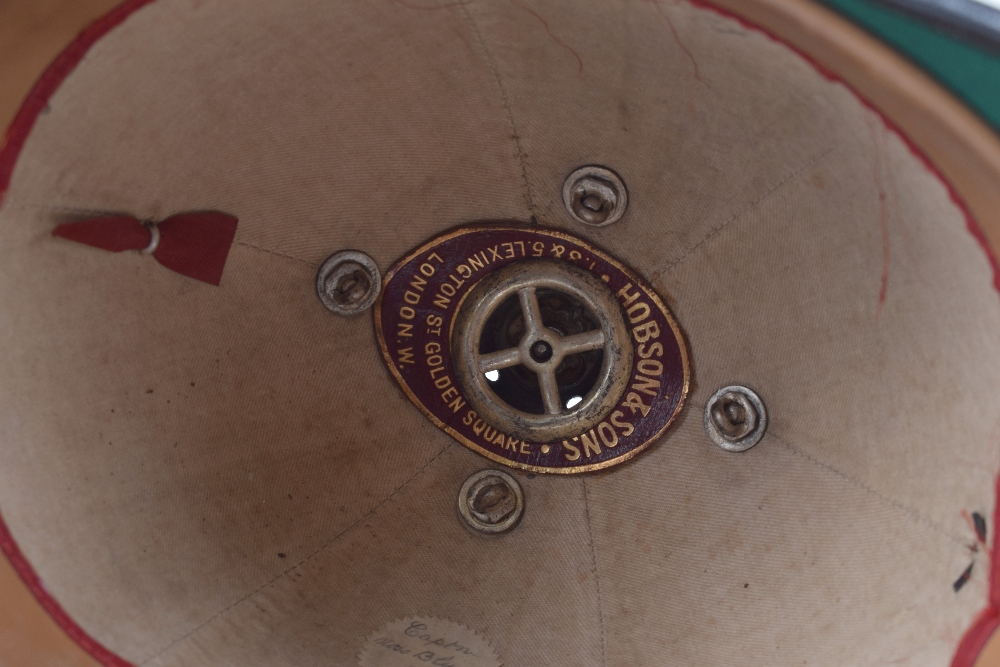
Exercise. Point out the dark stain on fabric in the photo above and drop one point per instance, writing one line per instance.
(980, 523)
(961, 581)
(878, 141)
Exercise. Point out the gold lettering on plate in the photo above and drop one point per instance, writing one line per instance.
(440, 377)
(426, 296)
(607, 434)
(648, 369)
(645, 386)
(493, 436)
(435, 642)
(480, 260)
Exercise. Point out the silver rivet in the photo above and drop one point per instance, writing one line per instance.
(154, 238)
(491, 501)
(348, 282)
(735, 418)
(595, 196)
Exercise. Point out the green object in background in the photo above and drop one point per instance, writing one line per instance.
(969, 71)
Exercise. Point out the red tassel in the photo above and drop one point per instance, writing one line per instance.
(196, 244)
(192, 244)
(114, 233)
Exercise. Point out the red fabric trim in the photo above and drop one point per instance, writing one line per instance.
(53, 608)
(51, 79)
(196, 244)
(970, 222)
(116, 233)
(988, 621)
(10, 149)
(972, 643)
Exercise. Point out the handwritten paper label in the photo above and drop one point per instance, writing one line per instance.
(427, 642)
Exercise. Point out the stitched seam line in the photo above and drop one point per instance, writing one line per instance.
(659, 272)
(274, 252)
(911, 513)
(597, 574)
(80, 211)
(519, 149)
(302, 562)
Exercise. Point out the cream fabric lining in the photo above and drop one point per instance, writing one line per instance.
(229, 476)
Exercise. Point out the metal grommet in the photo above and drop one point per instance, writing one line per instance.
(348, 282)
(154, 238)
(595, 196)
(491, 501)
(544, 354)
(735, 418)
